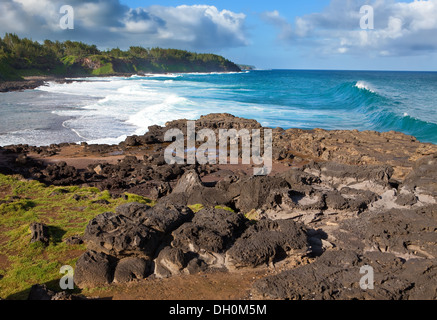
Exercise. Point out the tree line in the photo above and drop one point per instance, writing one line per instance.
(68, 56)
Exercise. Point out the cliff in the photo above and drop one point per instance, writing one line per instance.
(20, 58)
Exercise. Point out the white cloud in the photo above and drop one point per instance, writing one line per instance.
(108, 23)
(276, 19)
(200, 26)
(401, 28)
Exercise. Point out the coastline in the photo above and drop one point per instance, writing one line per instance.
(328, 199)
(299, 146)
(30, 83)
(33, 82)
(351, 102)
(11, 86)
(235, 156)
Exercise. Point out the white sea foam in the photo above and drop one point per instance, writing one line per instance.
(34, 137)
(363, 85)
(122, 107)
(125, 106)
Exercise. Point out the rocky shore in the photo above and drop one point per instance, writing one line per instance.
(336, 201)
(29, 83)
(8, 86)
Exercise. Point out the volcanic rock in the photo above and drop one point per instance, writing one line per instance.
(423, 178)
(118, 235)
(212, 230)
(337, 275)
(132, 268)
(266, 241)
(94, 269)
(170, 262)
(42, 293)
(39, 233)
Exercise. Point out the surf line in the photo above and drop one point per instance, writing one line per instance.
(77, 133)
(209, 151)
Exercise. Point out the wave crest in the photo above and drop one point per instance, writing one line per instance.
(363, 85)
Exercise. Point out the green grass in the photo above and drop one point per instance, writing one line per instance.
(24, 202)
(225, 208)
(69, 60)
(106, 69)
(136, 198)
(196, 207)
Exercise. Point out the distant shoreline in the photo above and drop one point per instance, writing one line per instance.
(33, 82)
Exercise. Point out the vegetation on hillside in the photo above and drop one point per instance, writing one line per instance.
(246, 67)
(24, 57)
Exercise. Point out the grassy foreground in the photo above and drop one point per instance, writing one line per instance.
(65, 210)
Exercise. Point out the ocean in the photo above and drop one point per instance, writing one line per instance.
(108, 109)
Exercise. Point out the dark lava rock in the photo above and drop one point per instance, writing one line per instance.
(190, 191)
(64, 296)
(7, 86)
(61, 174)
(134, 229)
(39, 233)
(310, 200)
(99, 148)
(74, 240)
(267, 241)
(315, 281)
(406, 199)
(162, 217)
(334, 200)
(103, 202)
(337, 173)
(42, 293)
(179, 199)
(94, 269)
(336, 276)
(133, 211)
(403, 231)
(167, 218)
(213, 230)
(253, 192)
(21, 160)
(170, 262)
(152, 189)
(213, 121)
(117, 235)
(189, 182)
(298, 177)
(129, 269)
(423, 178)
(196, 266)
(132, 141)
(355, 200)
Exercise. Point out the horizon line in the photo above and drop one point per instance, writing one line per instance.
(345, 70)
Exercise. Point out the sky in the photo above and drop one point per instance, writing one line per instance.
(269, 34)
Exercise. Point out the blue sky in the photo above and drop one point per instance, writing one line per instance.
(312, 34)
(264, 51)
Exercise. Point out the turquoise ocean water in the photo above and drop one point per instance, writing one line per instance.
(106, 110)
